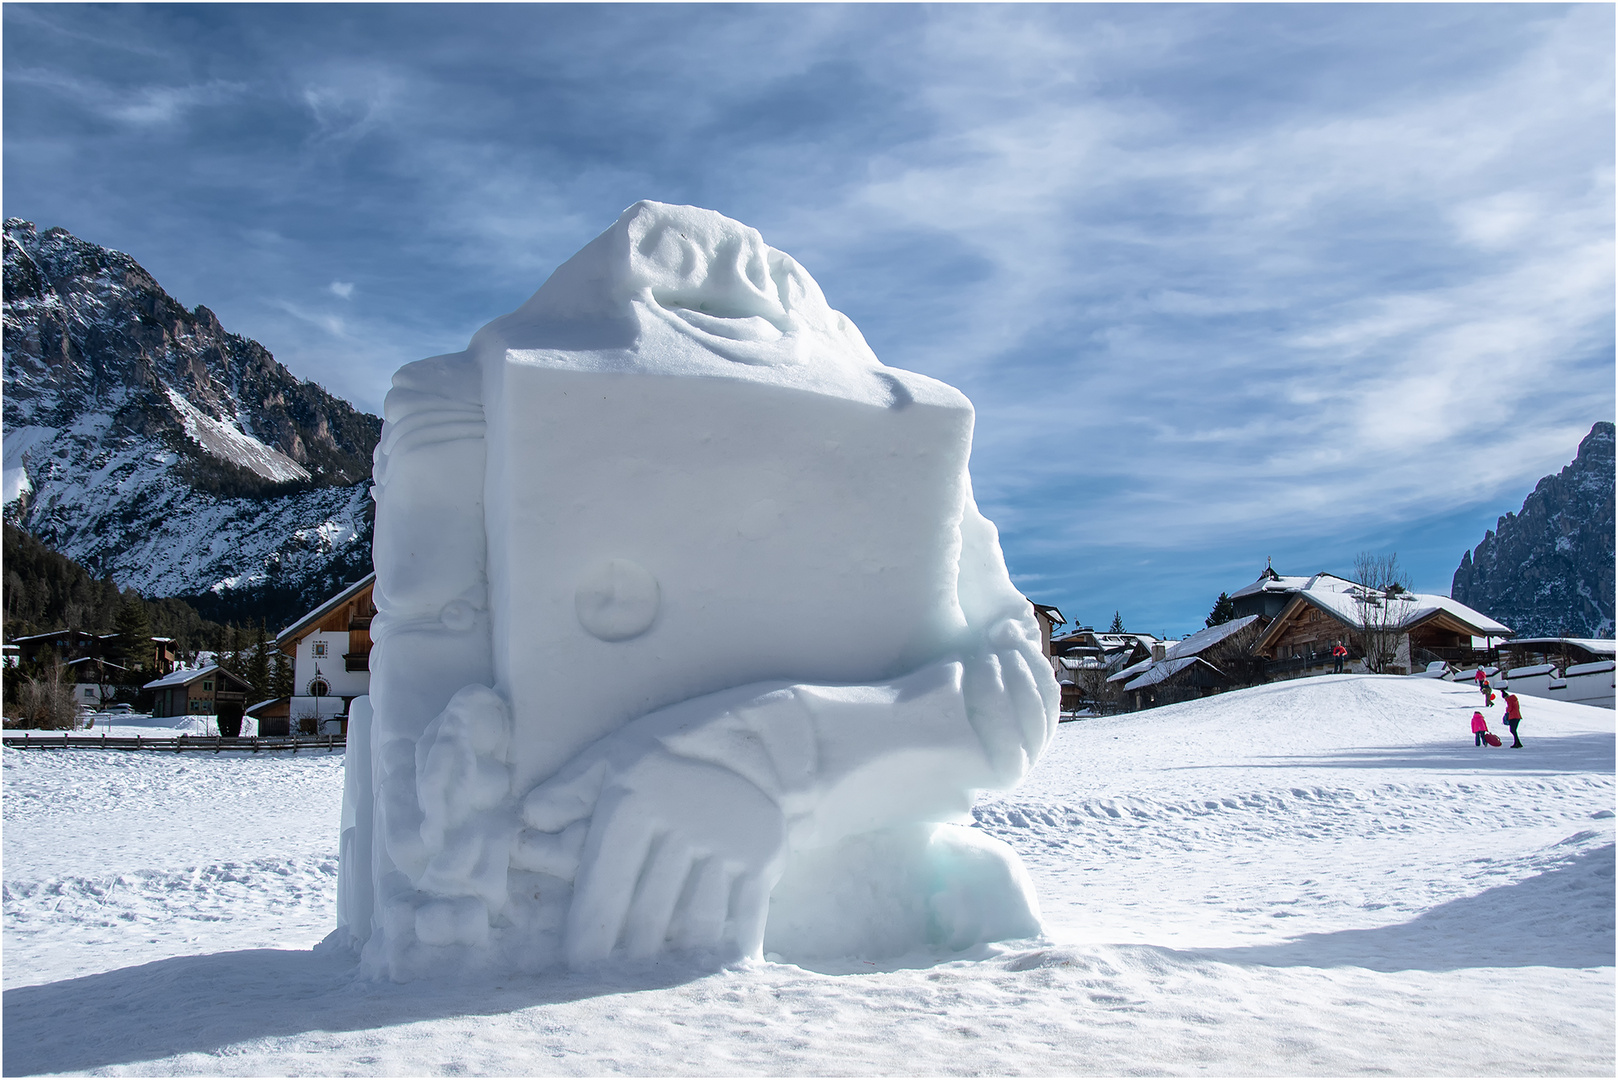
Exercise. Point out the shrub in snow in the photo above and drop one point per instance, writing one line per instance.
(46, 702)
(690, 635)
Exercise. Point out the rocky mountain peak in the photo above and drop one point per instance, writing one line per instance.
(136, 431)
(88, 327)
(1547, 570)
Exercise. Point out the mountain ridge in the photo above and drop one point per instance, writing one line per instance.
(149, 444)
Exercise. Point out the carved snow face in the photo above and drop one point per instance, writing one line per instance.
(709, 279)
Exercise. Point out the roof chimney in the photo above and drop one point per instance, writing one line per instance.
(1159, 651)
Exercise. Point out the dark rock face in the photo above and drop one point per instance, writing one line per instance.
(148, 443)
(1547, 571)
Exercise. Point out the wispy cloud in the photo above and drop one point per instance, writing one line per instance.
(348, 101)
(141, 106)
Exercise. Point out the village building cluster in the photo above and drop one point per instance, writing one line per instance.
(328, 651)
(1280, 627)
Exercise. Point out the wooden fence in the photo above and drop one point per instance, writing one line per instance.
(179, 744)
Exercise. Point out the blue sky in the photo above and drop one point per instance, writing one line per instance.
(1225, 283)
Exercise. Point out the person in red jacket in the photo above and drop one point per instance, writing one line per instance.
(1513, 716)
(1339, 653)
(1479, 726)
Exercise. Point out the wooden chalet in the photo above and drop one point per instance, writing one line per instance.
(94, 680)
(1326, 610)
(1085, 660)
(69, 645)
(208, 691)
(330, 649)
(1049, 619)
(1213, 659)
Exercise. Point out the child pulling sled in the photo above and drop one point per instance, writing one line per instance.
(1481, 735)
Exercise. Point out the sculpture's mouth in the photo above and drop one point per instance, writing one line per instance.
(730, 327)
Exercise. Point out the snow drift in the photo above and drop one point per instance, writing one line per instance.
(690, 635)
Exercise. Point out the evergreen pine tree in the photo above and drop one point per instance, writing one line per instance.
(230, 653)
(134, 630)
(281, 675)
(258, 666)
(1117, 626)
(1224, 610)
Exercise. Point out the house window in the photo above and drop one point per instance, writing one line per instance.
(318, 648)
(207, 684)
(318, 688)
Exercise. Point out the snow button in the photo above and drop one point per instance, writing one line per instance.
(617, 600)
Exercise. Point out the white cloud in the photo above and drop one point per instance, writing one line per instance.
(344, 289)
(1280, 326)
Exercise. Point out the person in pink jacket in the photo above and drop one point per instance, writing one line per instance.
(1513, 717)
(1479, 726)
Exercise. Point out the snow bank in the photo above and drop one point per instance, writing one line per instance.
(681, 592)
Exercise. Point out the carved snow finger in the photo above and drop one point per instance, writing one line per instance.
(1022, 691)
(988, 710)
(750, 908)
(700, 924)
(656, 894)
(558, 803)
(615, 851)
(556, 854)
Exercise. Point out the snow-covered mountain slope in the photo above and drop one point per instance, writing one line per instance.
(1547, 570)
(149, 444)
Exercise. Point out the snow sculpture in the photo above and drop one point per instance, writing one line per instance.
(690, 636)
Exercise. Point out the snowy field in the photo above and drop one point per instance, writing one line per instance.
(1320, 877)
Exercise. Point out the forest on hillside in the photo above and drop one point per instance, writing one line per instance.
(44, 591)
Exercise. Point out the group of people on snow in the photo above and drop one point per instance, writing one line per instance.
(1481, 735)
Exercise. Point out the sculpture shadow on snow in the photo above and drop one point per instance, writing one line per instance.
(223, 999)
(1559, 918)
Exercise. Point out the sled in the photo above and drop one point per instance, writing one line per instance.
(1491, 738)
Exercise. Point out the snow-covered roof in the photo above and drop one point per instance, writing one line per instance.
(326, 607)
(1161, 670)
(1269, 582)
(1599, 646)
(1124, 641)
(1180, 654)
(1051, 610)
(58, 633)
(1337, 596)
(1203, 640)
(1132, 670)
(1340, 599)
(95, 660)
(180, 677)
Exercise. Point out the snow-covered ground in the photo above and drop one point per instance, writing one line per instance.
(1316, 877)
(124, 725)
